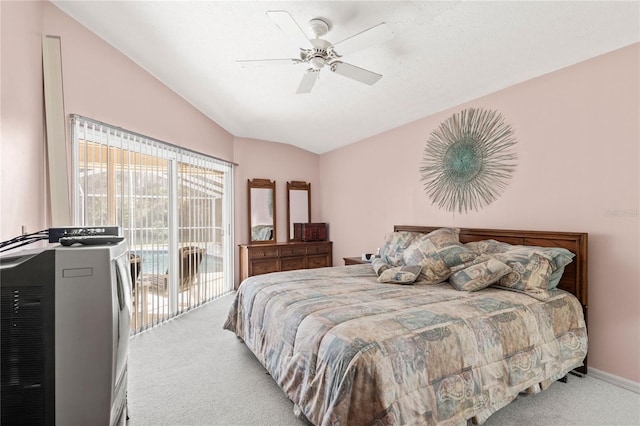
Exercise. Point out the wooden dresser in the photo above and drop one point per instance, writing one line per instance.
(256, 259)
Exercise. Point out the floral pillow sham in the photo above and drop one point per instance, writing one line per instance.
(556, 257)
(395, 274)
(480, 275)
(379, 266)
(406, 274)
(394, 245)
(440, 254)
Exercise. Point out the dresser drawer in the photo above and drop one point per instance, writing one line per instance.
(317, 262)
(318, 249)
(257, 259)
(291, 263)
(264, 267)
(258, 252)
(292, 251)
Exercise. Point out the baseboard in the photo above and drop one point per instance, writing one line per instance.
(614, 380)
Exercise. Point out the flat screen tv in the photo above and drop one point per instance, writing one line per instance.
(66, 314)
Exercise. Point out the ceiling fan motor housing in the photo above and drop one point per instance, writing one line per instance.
(320, 55)
(319, 27)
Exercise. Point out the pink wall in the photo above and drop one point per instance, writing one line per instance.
(578, 131)
(100, 83)
(277, 162)
(22, 165)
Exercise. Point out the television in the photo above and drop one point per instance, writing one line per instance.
(65, 324)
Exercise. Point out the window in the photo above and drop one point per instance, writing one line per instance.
(173, 205)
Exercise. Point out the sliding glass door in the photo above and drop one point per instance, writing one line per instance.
(174, 207)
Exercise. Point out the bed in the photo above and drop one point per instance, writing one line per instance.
(350, 350)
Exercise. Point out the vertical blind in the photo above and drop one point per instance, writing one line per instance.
(174, 207)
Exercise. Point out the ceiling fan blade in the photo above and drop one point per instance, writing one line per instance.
(256, 63)
(290, 27)
(308, 80)
(355, 73)
(374, 35)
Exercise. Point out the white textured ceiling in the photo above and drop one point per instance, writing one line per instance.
(443, 54)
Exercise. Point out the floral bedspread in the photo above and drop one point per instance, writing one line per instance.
(348, 350)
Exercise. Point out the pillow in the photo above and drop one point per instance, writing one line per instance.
(424, 253)
(444, 236)
(400, 274)
(479, 275)
(379, 266)
(440, 253)
(554, 279)
(394, 245)
(530, 272)
(558, 257)
(488, 246)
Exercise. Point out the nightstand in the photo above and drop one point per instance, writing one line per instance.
(353, 261)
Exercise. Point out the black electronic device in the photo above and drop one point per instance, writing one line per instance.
(82, 231)
(90, 240)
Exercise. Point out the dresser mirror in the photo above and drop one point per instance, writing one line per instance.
(298, 205)
(262, 211)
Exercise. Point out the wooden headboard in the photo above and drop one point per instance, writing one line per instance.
(574, 280)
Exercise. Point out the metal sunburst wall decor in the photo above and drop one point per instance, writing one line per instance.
(468, 160)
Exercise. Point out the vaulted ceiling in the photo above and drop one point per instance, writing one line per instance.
(442, 54)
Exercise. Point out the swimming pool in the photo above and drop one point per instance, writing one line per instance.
(157, 261)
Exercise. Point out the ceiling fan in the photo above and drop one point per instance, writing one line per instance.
(320, 54)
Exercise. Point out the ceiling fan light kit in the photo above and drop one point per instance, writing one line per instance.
(320, 54)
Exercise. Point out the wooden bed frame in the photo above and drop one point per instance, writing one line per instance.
(575, 277)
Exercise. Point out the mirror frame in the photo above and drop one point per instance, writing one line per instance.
(261, 184)
(297, 185)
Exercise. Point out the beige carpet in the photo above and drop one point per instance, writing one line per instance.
(192, 372)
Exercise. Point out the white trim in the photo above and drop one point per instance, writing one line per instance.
(614, 380)
(228, 203)
(173, 235)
